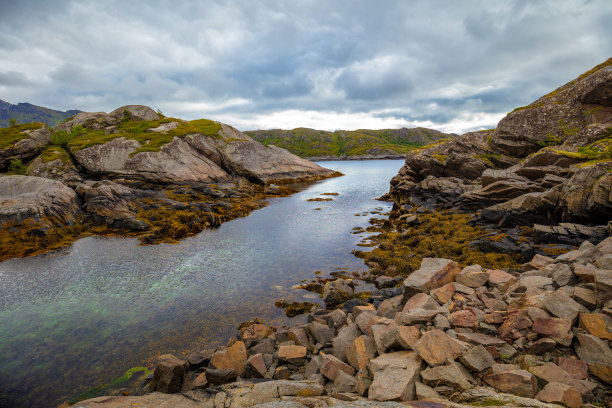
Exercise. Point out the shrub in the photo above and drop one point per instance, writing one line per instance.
(62, 137)
(12, 122)
(17, 167)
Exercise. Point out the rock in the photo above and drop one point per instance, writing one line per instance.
(200, 381)
(597, 354)
(136, 112)
(538, 262)
(32, 143)
(366, 320)
(255, 333)
(359, 309)
(389, 307)
(479, 338)
(344, 382)
(463, 318)
(425, 392)
(586, 273)
(472, 276)
(603, 286)
(515, 322)
(219, 377)
(360, 352)
(500, 279)
(47, 202)
(449, 375)
(560, 330)
(346, 336)
(418, 316)
(561, 305)
(511, 379)
(560, 394)
(541, 346)
(380, 332)
(199, 359)
(433, 273)
(256, 366)
(530, 282)
(322, 333)
(336, 292)
(441, 322)
(585, 297)
(168, 376)
(577, 369)
(477, 359)
(298, 388)
(298, 336)
(420, 301)
(436, 346)
(394, 376)
(282, 373)
(444, 294)
(338, 317)
(265, 346)
(604, 262)
(295, 355)
(597, 324)
(562, 275)
(401, 337)
(233, 358)
(330, 366)
(384, 282)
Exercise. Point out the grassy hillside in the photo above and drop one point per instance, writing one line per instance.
(312, 143)
(28, 113)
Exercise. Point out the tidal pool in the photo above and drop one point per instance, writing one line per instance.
(82, 316)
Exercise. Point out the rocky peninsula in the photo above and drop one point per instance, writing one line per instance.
(133, 172)
(503, 319)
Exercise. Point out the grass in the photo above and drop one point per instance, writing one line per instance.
(137, 130)
(11, 135)
(601, 150)
(312, 143)
(54, 153)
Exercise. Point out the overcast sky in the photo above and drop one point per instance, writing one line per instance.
(449, 65)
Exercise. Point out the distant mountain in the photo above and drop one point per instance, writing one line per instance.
(315, 144)
(28, 113)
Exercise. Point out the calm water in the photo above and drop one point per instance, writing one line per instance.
(76, 318)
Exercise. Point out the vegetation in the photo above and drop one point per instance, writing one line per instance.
(316, 143)
(53, 153)
(551, 140)
(11, 135)
(600, 150)
(139, 131)
(17, 167)
(28, 113)
(98, 390)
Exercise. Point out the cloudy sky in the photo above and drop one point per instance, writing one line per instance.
(449, 65)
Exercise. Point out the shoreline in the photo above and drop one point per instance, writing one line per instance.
(348, 158)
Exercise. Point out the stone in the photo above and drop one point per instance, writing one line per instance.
(338, 318)
(500, 279)
(560, 394)
(418, 316)
(444, 294)
(168, 376)
(493, 318)
(219, 377)
(232, 358)
(394, 376)
(360, 352)
(379, 332)
(295, 355)
(282, 373)
(603, 286)
(530, 282)
(551, 372)
(264, 346)
(298, 336)
(420, 301)
(199, 359)
(433, 273)
(441, 322)
(479, 338)
(537, 313)
(200, 381)
(585, 273)
(384, 282)
(463, 318)
(256, 366)
(389, 307)
(577, 369)
(604, 262)
(541, 346)
(561, 305)
(597, 354)
(344, 339)
(586, 297)
(297, 388)
(424, 392)
(597, 324)
(336, 292)
(322, 333)
(513, 381)
(477, 359)
(560, 330)
(538, 262)
(515, 322)
(366, 320)
(449, 375)
(562, 275)
(472, 276)
(401, 337)
(357, 310)
(255, 333)
(362, 382)
(330, 366)
(435, 347)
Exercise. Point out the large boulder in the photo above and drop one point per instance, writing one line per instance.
(31, 140)
(433, 273)
(394, 376)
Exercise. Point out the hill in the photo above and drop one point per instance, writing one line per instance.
(28, 113)
(321, 144)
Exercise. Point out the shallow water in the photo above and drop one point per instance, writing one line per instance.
(75, 318)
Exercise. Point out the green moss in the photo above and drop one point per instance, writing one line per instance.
(551, 140)
(440, 157)
(53, 153)
(98, 390)
(137, 130)
(11, 135)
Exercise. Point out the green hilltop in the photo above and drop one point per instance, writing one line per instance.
(310, 143)
(28, 113)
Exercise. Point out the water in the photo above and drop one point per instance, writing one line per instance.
(75, 318)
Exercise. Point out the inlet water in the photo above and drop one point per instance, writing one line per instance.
(81, 316)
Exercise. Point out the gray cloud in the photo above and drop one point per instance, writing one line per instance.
(262, 63)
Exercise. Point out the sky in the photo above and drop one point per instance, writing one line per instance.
(453, 66)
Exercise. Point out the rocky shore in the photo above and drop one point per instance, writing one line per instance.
(388, 156)
(133, 172)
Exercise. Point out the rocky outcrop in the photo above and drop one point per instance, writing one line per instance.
(29, 146)
(545, 162)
